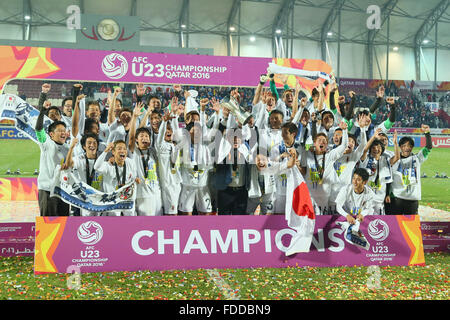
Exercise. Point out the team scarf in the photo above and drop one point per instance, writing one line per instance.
(22, 113)
(312, 75)
(81, 195)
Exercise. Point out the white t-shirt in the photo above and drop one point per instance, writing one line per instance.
(406, 177)
(68, 121)
(287, 112)
(344, 165)
(350, 202)
(149, 185)
(167, 152)
(321, 190)
(382, 169)
(52, 155)
(117, 132)
(110, 181)
(79, 167)
(269, 139)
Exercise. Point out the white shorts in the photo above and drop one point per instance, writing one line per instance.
(266, 203)
(149, 206)
(195, 195)
(170, 198)
(279, 204)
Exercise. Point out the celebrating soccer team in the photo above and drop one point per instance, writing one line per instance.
(187, 160)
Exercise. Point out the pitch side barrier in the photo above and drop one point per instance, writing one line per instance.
(106, 244)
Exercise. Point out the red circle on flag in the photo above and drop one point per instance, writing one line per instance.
(301, 202)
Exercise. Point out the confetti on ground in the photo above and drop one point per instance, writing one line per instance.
(18, 282)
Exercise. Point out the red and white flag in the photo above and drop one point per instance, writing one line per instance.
(300, 214)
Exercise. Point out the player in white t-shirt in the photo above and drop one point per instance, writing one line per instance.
(355, 199)
(318, 170)
(196, 163)
(53, 152)
(289, 133)
(83, 165)
(406, 186)
(169, 165)
(354, 202)
(148, 192)
(119, 127)
(152, 120)
(121, 172)
(90, 125)
(379, 166)
(302, 120)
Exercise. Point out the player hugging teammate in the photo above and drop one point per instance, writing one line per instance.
(190, 155)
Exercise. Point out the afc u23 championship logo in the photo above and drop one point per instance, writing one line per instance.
(114, 66)
(90, 233)
(378, 230)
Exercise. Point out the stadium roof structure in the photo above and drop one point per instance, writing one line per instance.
(408, 23)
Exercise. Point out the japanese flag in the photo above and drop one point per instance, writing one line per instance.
(300, 213)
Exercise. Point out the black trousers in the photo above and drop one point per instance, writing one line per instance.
(404, 207)
(232, 201)
(52, 206)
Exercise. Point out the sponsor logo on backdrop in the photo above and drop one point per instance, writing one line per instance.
(12, 133)
(114, 66)
(90, 233)
(378, 230)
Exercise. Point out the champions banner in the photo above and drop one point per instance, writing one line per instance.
(106, 244)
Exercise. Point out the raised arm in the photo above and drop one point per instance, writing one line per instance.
(111, 111)
(273, 87)
(100, 162)
(299, 112)
(43, 95)
(349, 113)
(391, 120)
(140, 90)
(338, 152)
(136, 113)
(262, 80)
(69, 158)
(144, 120)
(76, 92)
(295, 103)
(76, 116)
(321, 96)
(376, 104)
(396, 156)
(366, 148)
